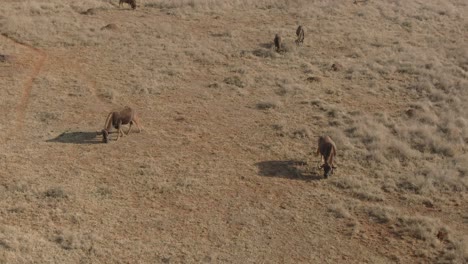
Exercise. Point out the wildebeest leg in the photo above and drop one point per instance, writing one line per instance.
(130, 128)
(105, 136)
(321, 162)
(120, 132)
(332, 157)
(318, 153)
(136, 120)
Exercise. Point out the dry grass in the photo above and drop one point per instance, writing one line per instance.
(226, 157)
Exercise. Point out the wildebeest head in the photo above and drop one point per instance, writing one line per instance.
(327, 170)
(105, 136)
(132, 3)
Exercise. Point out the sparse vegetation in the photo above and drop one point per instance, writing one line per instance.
(267, 105)
(56, 192)
(226, 157)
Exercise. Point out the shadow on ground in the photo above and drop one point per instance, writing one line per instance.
(268, 45)
(290, 169)
(77, 138)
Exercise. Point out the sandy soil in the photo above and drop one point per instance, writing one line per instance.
(224, 170)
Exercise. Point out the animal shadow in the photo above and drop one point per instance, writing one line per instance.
(267, 45)
(290, 169)
(77, 138)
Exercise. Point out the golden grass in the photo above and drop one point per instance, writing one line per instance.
(216, 99)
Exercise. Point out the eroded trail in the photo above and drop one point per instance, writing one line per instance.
(22, 105)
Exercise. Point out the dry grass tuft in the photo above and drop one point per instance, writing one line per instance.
(381, 214)
(234, 80)
(268, 105)
(339, 210)
(56, 193)
(72, 241)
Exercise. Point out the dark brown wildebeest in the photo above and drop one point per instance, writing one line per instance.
(327, 149)
(277, 41)
(117, 119)
(300, 35)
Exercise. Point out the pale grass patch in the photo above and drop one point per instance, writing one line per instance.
(70, 240)
(52, 23)
(431, 231)
(419, 227)
(382, 151)
(381, 214)
(223, 5)
(26, 246)
(339, 210)
(270, 104)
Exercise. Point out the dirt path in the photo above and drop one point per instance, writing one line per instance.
(28, 84)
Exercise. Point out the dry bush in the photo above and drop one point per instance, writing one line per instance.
(346, 183)
(21, 245)
(378, 139)
(419, 227)
(358, 187)
(381, 214)
(56, 193)
(369, 194)
(289, 90)
(423, 131)
(430, 231)
(342, 142)
(108, 94)
(445, 178)
(339, 210)
(104, 192)
(265, 105)
(458, 253)
(234, 80)
(72, 241)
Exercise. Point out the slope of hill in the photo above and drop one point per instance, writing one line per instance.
(224, 171)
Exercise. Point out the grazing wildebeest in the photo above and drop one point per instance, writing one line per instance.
(327, 149)
(277, 41)
(132, 3)
(300, 35)
(336, 67)
(117, 119)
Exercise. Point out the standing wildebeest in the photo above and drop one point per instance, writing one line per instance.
(117, 119)
(132, 3)
(300, 35)
(277, 41)
(327, 149)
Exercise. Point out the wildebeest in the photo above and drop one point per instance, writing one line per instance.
(132, 3)
(327, 149)
(300, 35)
(117, 119)
(277, 41)
(336, 67)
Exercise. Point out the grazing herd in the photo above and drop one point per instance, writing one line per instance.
(300, 39)
(326, 148)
